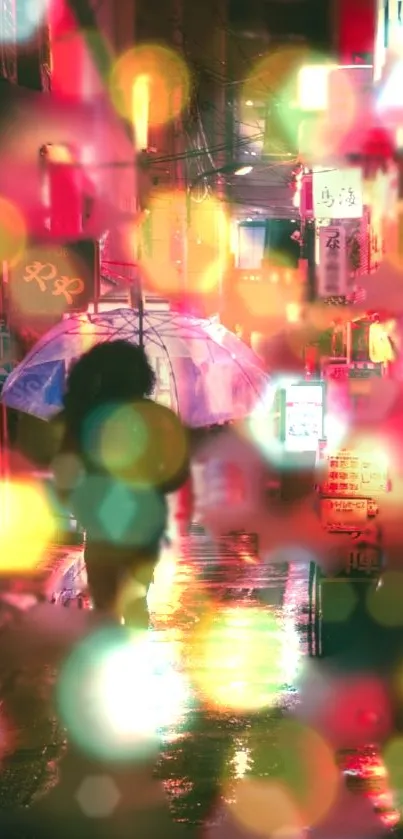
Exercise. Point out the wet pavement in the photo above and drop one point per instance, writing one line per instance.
(214, 747)
(209, 747)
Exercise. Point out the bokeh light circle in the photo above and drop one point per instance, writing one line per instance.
(274, 79)
(351, 711)
(115, 437)
(27, 527)
(32, 16)
(266, 809)
(393, 759)
(141, 443)
(275, 302)
(237, 658)
(298, 760)
(163, 258)
(384, 601)
(262, 427)
(326, 133)
(111, 511)
(167, 81)
(13, 233)
(117, 691)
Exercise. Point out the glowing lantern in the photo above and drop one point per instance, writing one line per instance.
(380, 347)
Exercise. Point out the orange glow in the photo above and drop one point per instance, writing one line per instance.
(265, 808)
(59, 153)
(281, 296)
(176, 252)
(141, 110)
(13, 232)
(299, 769)
(310, 770)
(168, 79)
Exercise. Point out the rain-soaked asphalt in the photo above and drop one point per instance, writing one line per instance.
(209, 746)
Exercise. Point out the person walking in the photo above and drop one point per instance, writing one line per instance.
(117, 456)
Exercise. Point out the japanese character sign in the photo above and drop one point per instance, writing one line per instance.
(338, 194)
(332, 276)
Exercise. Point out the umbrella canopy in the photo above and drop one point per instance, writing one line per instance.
(204, 372)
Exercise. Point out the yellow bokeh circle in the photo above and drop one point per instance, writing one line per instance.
(152, 80)
(237, 658)
(384, 602)
(27, 527)
(182, 246)
(13, 232)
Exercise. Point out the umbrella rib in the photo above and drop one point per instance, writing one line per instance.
(160, 328)
(163, 345)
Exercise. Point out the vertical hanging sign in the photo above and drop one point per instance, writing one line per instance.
(332, 275)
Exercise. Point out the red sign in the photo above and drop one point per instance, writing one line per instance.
(356, 26)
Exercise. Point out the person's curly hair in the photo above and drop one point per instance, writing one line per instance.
(110, 372)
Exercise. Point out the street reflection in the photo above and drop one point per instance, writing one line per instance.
(213, 748)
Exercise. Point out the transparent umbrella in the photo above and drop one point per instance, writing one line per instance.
(204, 372)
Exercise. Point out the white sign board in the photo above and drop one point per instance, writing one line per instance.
(303, 418)
(343, 514)
(332, 276)
(337, 193)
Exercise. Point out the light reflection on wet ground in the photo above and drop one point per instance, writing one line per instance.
(214, 747)
(209, 750)
(212, 750)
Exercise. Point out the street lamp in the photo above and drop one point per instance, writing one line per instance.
(243, 170)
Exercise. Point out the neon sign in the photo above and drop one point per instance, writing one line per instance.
(54, 279)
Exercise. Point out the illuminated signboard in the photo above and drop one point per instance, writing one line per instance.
(338, 193)
(55, 279)
(350, 475)
(343, 514)
(303, 416)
